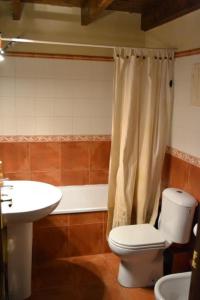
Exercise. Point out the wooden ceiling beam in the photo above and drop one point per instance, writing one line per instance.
(91, 9)
(165, 11)
(17, 7)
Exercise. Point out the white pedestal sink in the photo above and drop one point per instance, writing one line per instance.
(31, 201)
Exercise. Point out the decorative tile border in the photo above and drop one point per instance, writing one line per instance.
(88, 138)
(52, 138)
(193, 160)
(85, 138)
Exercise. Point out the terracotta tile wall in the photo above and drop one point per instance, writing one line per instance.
(59, 236)
(83, 162)
(82, 234)
(58, 163)
(181, 174)
(62, 163)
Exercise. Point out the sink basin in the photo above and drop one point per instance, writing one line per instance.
(173, 287)
(31, 201)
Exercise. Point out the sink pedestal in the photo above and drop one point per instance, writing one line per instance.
(31, 201)
(19, 260)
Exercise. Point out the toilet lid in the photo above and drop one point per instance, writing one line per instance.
(137, 236)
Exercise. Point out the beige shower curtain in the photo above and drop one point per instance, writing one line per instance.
(142, 105)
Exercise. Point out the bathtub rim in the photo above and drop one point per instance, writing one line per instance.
(102, 208)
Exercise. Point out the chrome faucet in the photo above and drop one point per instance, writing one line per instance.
(2, 186)
(2, 194)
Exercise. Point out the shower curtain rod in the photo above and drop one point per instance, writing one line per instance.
(21, 40)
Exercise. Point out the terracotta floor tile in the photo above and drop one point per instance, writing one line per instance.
(92, 293)
(94, 264)
(70, 294)
(101, 293)
(65, 273)
(137, 293)
(112, 262)
(92, 277)
(56, 294)
(55, 274)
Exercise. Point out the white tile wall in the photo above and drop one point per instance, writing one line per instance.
(8, 126)
(7, 107)
(26, 125)
(51, 96)
(43, 125)
(7, 87)
(25, 106)
(62, 125)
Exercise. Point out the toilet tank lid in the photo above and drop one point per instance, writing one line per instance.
(179, 197)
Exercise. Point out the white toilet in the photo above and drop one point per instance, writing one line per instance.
(141, 246)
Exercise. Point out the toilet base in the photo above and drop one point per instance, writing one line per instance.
(141, 270)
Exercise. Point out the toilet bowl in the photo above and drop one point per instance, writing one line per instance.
(141, 246)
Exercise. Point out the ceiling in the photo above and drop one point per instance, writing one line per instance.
(153, 12)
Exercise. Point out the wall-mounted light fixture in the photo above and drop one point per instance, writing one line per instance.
(2, 57)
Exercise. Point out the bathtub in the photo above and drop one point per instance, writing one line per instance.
(82, 212)
(83, 198)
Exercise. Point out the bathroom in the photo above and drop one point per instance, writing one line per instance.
(56, 120)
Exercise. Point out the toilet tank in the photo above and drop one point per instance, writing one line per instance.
(177, 214)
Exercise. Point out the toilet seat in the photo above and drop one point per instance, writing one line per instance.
(137, 237)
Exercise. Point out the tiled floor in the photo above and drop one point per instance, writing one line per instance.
(92, 277)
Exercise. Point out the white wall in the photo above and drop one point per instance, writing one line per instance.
(186, 117)
(52, 96)
(182, 34)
